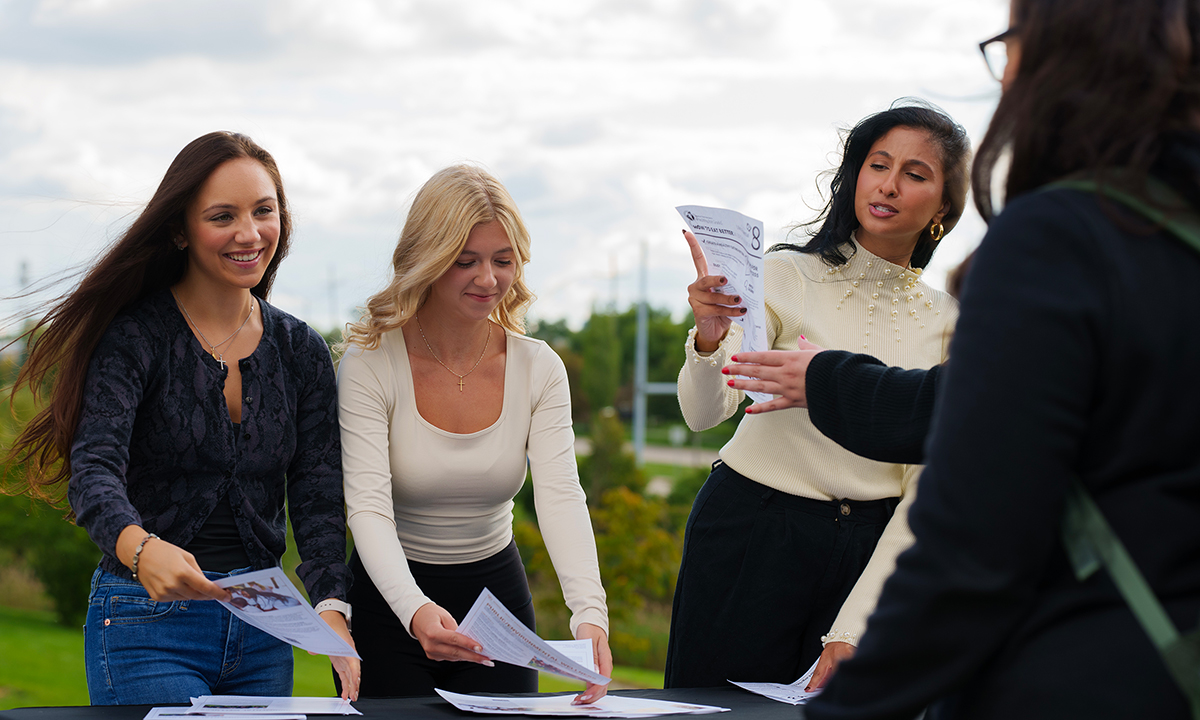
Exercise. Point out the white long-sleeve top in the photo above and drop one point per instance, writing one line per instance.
(416, 491)
(868, 305)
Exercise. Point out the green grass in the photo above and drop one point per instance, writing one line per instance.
(43, 666)
(623, 677)
(41, 662)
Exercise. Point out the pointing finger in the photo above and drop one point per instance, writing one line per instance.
(698, 258)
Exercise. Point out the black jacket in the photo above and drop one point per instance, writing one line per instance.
(1076, 355)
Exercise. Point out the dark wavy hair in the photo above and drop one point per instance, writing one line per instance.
(838, 219)
(1099, 85)
(143, 260)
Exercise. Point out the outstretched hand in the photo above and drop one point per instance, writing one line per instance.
(777, 372)
(167, 571)
(712, 310)
(832, 656)
(435, 628)
(348, 669)
(603, 658)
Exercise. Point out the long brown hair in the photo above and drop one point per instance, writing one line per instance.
(144, 260)
(1100, 84)
(831, 229)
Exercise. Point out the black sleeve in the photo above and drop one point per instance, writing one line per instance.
(1005, 438)
(873, 410)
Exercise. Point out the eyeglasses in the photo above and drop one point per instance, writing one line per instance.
(995, 52)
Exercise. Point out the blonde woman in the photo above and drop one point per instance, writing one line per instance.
(442, 399)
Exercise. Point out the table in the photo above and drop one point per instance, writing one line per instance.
(743, 705)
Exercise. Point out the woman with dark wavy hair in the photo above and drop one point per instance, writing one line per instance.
(789, 525)
(183, 410)
(1074, 365)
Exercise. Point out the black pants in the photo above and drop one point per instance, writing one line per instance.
(393, 663)
(763, 576)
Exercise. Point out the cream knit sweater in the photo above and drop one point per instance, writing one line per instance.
(868, 305)
(416, 491)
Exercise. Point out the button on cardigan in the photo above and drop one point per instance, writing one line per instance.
(155, 445)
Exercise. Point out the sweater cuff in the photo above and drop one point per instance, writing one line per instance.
(836, 635)
(595, 616)
(716, 358)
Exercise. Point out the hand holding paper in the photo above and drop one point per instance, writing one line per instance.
(501, 636)
(727, 250)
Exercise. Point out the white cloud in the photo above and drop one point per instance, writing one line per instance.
(601, 116)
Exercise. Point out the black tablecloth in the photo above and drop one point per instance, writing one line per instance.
(743, 706)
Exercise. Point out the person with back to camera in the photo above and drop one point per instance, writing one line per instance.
(789, 526)
(1074, 365)
(184, 410)
(442, 399)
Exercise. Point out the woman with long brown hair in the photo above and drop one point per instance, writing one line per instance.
(183, 410)
(1073, 371)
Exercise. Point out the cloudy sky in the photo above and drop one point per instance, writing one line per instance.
(599, 116)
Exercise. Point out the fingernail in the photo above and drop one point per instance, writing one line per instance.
(749, 411)
(724, 280)
(729, 382)
(733, 358)
(803, 338)
(725, 370)
(478, 649)
(683, 231)
(741, 310)
(737, 298)
(488, 663)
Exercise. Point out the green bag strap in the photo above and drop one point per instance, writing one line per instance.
(1178, 219)
(1089, 539)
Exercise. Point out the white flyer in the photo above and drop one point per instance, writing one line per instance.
(168, 713)
(733, 246)
(609, 706)
(793, 694)
(505, 638)
(270, 602)
(579, 651)
(263, 706)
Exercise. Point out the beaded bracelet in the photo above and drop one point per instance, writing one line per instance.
(137, 554)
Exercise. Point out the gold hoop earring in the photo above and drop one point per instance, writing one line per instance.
(936, 231)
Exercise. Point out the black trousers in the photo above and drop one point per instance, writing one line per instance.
(763, 576)
(393, 663)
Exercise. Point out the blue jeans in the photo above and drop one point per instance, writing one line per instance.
(141, 652)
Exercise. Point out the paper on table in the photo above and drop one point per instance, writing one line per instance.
(505, 638)
(733, 245)
(166, 713)
(579, 651)
(270, 602)
(169, 713)
(265, 705)
(793, 694)
(609, 706)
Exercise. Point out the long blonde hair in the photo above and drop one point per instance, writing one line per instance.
(447, 207)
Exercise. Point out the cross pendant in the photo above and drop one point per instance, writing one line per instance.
(460, 384)
(220, 359)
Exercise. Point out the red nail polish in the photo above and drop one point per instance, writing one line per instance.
(729, 382)
(724, 371)
(803, 338)
(734, 358)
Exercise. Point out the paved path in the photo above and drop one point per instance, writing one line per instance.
(664, 454)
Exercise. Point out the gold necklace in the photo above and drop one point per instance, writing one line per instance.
(220, 358)
(463, 376)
